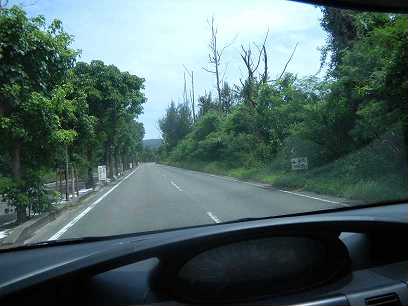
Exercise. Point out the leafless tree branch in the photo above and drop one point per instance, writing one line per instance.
(228, 45)
(188, 71)
(207, 70)
(246, 55)
(260, 51)
(265, 73)
(215, 56)
(224, 73)
(288, 61)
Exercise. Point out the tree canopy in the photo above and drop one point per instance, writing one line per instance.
(54, 110)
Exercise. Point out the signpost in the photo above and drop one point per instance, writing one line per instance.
(299, 163)
(102, 173)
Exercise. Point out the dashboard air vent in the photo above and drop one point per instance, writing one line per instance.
(390, 299)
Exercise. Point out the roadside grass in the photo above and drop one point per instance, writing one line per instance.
(350, 178)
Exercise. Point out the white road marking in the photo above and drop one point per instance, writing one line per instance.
(175, 185)
(87, 210)
(214, 217)
(314, 198)
(260, 185)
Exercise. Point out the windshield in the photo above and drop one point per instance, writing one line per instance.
(134, 116)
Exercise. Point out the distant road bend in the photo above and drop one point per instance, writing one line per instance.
(155, 197)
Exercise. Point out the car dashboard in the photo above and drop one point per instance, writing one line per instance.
(347, 257)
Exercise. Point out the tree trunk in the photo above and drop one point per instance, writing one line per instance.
(66, 174)
(60, 183)
(110, 162)
(77, 181)
(90, 179)
(125, 165)
(405, 133)
(16, 168)
(217, 76)
(73, 181)
(116, 157)
(108, 159)
(17, 161)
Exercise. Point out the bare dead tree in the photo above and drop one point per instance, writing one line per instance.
(248, 58)
(185, 89)
(265, 77)
(252, 62)
(224, 73)
(215, 56)
(251, 67)
(246, 55)
(192, 95)
(262, 53)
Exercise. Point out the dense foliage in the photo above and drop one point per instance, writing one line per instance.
(54, 110)
(351, 124)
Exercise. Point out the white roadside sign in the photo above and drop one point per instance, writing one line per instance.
(299, 163)
(102, 173)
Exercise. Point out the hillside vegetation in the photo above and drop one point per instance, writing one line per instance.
(152, 143)
(350, 123)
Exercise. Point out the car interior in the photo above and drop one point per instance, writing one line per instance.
(347, 257)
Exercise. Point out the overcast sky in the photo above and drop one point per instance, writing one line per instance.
(154, 38)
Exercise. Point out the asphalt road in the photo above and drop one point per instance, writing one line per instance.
(155, 197)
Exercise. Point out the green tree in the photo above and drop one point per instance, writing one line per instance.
(228, 98)
(344, 28)
(129, 141)
(35, 59)
(115, 99)
(206, 104)
(168, 127)
(176, 124)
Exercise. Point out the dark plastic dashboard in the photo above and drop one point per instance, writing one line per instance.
(351, 257)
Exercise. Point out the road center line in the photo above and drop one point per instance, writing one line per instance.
(213, 217)
(175, 185)
(87, 210)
